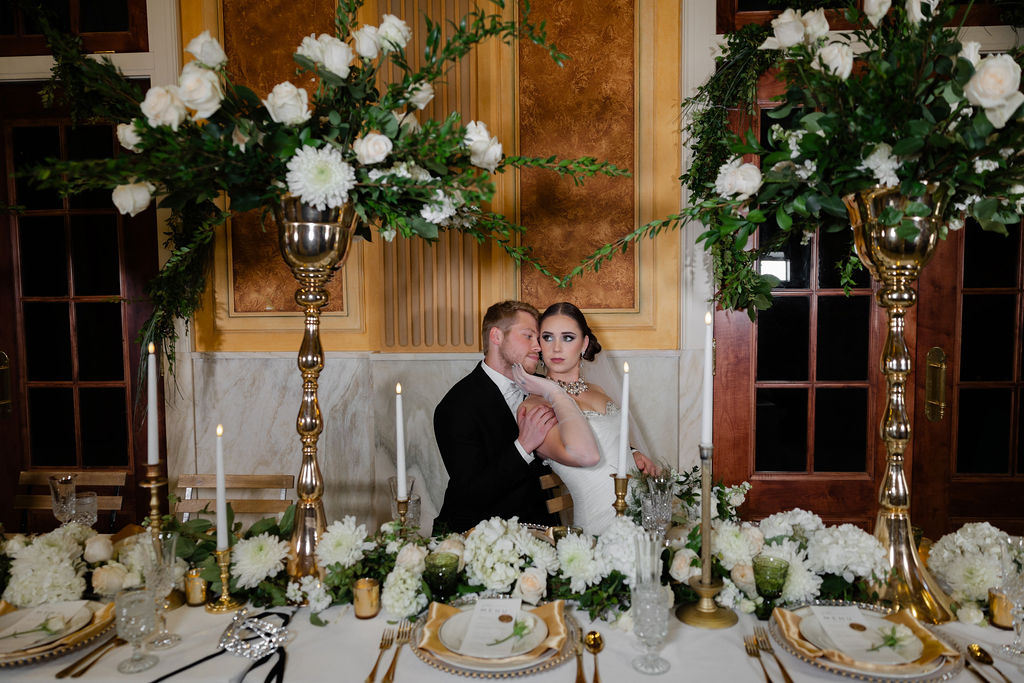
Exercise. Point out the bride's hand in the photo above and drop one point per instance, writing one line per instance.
(533, 384)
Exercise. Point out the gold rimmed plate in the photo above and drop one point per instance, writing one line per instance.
(100, 627)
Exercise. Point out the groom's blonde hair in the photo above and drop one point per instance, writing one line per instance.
(502, 315)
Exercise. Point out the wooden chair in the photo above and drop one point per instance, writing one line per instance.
(561, 501)
(86, 479)
(191, 483)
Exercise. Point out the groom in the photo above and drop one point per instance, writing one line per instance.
(485, 441)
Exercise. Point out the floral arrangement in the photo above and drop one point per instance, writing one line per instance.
(686, 488)
(47, 568)
(357, 140)
(968, 562)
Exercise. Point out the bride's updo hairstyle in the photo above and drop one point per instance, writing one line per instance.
(569, 310)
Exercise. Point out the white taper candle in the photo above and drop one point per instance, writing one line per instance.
(152, 419)
(624, 423)
(401, 488)
(222, 503)
(709, 383)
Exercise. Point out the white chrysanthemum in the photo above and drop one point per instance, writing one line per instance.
(401, 596)
(882, 164)
(616, 548)
(795, 522)
(343, 543)
(847, 551)
(971, 576)
(258, 558)
(966, 557)
(732, 545)
(802, 584)
(578, 563)
(48, 569)
(320, 177)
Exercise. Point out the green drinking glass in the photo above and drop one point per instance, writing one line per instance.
(770, 578)
(442, 575)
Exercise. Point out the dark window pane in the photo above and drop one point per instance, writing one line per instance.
(47, 341)
(103, 15)
(51, 420)
(840, 430)
(41, 247)
(983, 445)
(104, 426)
(782, 338)
(32, 145)
(833, 247)
(100, 342)
(94, 256)
(1020, 432)
(789, 261)
(990, 259)
(843, 338)
(6, 18)
(781, 444)
(753, 5)
(57, 11)
(90, 142)
(988, 341)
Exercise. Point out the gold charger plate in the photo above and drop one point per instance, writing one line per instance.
(83, 638)
(949, 669)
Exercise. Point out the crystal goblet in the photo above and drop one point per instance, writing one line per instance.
(649, 606)
(442, 574)
(1013, 588)
(159, 559)
(62, 494)
(135, 620)
(770, 578)
(85, 508)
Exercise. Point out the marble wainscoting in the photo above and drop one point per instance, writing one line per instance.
(256, 397)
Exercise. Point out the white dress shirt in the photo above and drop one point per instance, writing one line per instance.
(513, 396)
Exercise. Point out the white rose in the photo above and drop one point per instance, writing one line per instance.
(163, 107)
(682, 568)
(372, 148)
(311, 48)
(914, 13)
(199, 89)
(412, 557)
(128, 136)
(837, 59)
(109, 579)
(393, 33)
(971, 51)
(366, 42)
(98, 549)
(815, 25)
(287, 104)
(737, 178)
(421, 94)
(337, 56)
(999, 115)
(970, 613)
(484, 150)
(995, 86)
(788, 28)
(875, 10)
(407, 120)
(743, 576)
(532, 585)
(132, 199)
(207, 50)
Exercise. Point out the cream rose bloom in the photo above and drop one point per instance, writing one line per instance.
(914, 13)
(743, 576)
(128, 136)
(287, 104)
(876, 9)
(393, 33)
(421, 94)
(788, 28)
(199, 89)
(815, 25)
(207, 50)
(163, 107)
(365, 39)
(412, 557)
(971, 51)
(995, 86)
(336, 56)
(532, 585)
(372, 148)
(836, 59)
(737, 178)
(109, 579)
(682, 568)
(484, 150)
(132, 199)
(98, 549)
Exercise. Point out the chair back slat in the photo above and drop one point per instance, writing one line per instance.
(191, 503)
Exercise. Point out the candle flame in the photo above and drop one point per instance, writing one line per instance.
(398, 388)
(152, 349)
(707, 318)
(220, 430)
(625, 367)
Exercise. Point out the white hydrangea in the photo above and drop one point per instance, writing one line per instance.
(494, 554)
(732, 544)
(578, 562)
(969, 560)
(882, 164)
(401, 596)
(49, 568)
(309, 589)
(848, 551)
(258, 558)
(985, 165)
(343, 543)
(440, 210)
(616, 548)
(790, 523)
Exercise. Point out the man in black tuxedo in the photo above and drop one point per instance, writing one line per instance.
(485, 440)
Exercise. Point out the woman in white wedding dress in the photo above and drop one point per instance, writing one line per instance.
(565, 340)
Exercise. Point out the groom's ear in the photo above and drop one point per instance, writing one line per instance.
(495, 335)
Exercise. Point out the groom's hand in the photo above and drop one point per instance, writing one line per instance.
(534, 425)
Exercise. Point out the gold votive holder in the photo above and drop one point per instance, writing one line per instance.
(366, 598)
(195, 588)
(225, 603)
(560, 532)
(621, 487)
(1000, 610)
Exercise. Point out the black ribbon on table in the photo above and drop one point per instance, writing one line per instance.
(276, 673)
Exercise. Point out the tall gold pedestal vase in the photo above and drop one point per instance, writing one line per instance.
(314, 244)
(895, 262)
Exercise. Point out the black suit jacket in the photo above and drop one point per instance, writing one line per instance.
(488, 477)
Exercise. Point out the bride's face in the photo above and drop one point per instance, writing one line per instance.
(561, 344)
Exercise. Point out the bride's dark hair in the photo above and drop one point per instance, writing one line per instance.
(567, 309)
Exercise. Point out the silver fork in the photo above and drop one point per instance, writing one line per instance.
(386, 639)
(765, 644)
(750, 643)
(401, 638)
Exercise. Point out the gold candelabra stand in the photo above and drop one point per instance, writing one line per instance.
(621, 488)
(314, 244)
(225, 603)
(154, 481)
(895, 261)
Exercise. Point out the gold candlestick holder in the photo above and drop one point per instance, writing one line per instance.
(402, 506)
(621, 487)
(153, 482)
(225, 603)
(705, 613)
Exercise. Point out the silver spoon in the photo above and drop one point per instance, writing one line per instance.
(980, 654)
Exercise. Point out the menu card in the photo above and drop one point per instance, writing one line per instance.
(839, 624)
(490, 627)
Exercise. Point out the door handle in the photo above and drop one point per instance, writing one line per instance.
(935, 385)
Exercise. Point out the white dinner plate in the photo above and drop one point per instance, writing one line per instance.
(75, 612)
(453, 632)
(814, 632)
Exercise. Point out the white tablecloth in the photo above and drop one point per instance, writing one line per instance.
(345, 650)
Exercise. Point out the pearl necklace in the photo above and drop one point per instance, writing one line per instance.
(574, 388)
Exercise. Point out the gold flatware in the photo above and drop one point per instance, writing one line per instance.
(973, 670)
(594, 643)
(386, 639)
(96, 656)
(580, 676)
(401, 638)
(763, 642)
(980, 654)
(750, 643)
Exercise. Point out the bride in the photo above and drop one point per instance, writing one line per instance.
(565, 340)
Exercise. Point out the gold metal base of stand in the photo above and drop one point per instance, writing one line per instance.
(705, 613)
(225, 603)
(621, 487)
(913, 587)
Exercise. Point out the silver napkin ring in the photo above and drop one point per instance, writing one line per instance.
(252, 638)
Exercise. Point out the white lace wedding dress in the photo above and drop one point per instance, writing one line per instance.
(591, 488)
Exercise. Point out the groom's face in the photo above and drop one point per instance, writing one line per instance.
(519, 344)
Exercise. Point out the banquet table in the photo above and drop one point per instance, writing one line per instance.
(346, 648)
